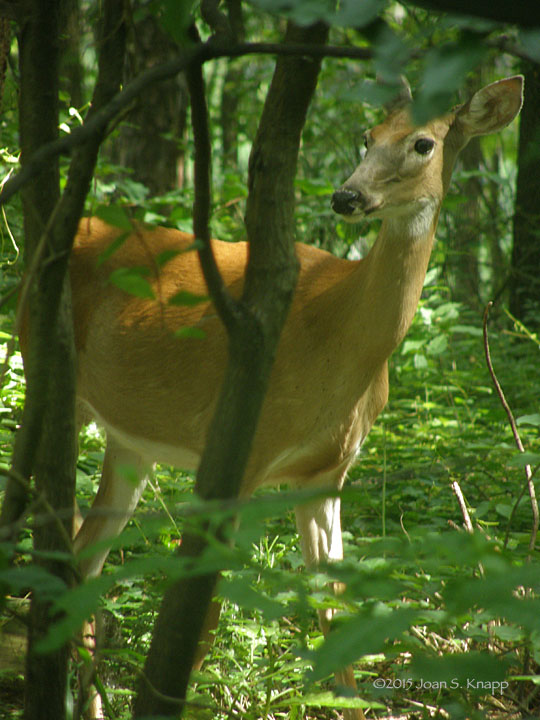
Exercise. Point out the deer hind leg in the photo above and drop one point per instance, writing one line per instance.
(319, 527)
(123, 479)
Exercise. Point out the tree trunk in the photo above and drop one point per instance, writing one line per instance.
(49, 366)
(230, 94)
(71, 72)
(495, 230)
(46, 443)
(46, 673)
(465, 245)
(525, 273)
(150, 142)
(254, 334)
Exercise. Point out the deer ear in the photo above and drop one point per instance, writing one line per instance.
(491, 108)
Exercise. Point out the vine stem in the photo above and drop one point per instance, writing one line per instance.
(529, 474)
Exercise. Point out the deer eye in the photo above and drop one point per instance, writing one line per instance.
(423, 146)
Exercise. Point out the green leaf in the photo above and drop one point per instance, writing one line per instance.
(78, 605)
(391, 54)
(328, 700)
(132, 281)
(113, 247)
(240, 592)
(446, 311)
(175, 18)
(44, 583)
(302, 12)
(164, 257)
(504, 509)
(190, 332)
(115, 215)
(364, 634)
(351, 13)
(467, 330)
(445, 70)
(184, 297)
(524, 458)
(412, 346)
(472, 671)
(535, 679)
(508, 633)
(533, 419)
(438, 345)
(314, 186)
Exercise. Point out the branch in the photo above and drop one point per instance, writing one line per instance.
(517, 12)
(528, 472)
(505, 44)
(227, 307)
(216, 19)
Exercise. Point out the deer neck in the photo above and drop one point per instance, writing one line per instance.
(392, 277)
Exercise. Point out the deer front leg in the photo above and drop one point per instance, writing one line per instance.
(122, 482)
(319, 527)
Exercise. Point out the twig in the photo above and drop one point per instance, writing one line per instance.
(463, 506)
(183, 702)
(50, 514)
(532, 336)
(528, 472)
(466, 517)
(524, 488)
(434, 710)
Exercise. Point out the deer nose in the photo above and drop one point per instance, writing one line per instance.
(344, 202)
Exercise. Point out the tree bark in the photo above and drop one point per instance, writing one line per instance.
(71, 71)
(525, 271)
(230, 94)
(38, 113)
(465, 244)
(46, 675)
(254, 326)
(150, 141)
(49, 364)
(46, 443)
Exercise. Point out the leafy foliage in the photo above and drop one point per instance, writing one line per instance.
(433, 615)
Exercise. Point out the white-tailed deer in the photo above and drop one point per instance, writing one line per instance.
(155, 392)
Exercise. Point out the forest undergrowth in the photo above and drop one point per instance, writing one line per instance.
(440, 612)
